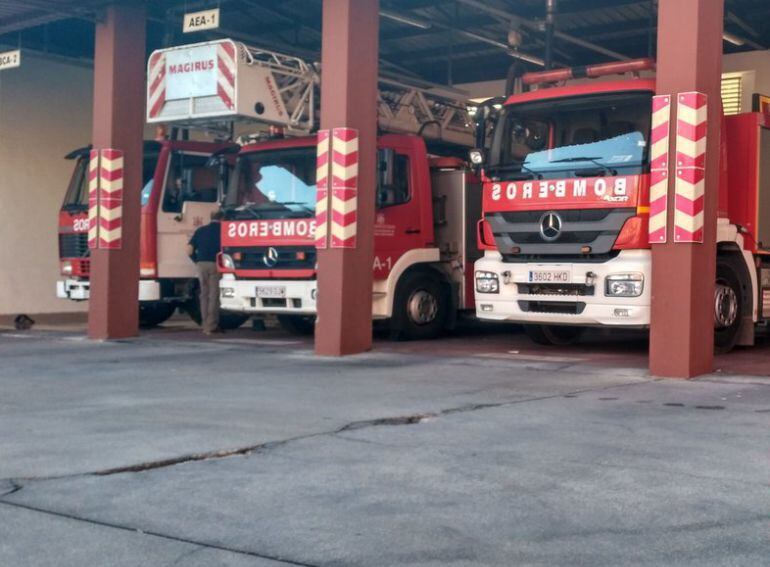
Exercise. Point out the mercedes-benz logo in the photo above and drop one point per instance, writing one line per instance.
(271, 257)
(550, 226)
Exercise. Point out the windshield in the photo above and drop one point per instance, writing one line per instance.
(77, 192)
(274, 184)
(603, 133)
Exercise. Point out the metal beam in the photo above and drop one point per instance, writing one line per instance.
(514, 18)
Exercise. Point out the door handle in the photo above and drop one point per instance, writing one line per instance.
(412, 231)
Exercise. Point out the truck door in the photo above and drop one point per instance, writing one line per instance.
(397, 224)
(190, 195)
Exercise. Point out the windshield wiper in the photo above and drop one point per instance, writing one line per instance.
(605, 169)
(523, 170)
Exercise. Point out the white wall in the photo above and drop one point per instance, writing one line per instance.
(45, 112)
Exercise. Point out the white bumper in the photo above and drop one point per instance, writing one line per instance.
(79, 290)
(76, 290)
(596, 309)
(241, 295)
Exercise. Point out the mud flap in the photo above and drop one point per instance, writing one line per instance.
(746, 331)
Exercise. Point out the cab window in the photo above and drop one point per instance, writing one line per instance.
(397, 192)
(189, 180)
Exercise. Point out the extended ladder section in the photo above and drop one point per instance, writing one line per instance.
(214, 84)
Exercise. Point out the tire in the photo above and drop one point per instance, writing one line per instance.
(301, 325)
(153, 313)
(228, 320)
(421, 307)
(728, 306)
(553, 335)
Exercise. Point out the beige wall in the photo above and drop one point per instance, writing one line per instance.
(45, 112)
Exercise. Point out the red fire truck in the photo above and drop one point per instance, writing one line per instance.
(428, 201)
(566, 207)
(179, 192)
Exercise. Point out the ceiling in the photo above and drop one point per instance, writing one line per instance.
(443, 41)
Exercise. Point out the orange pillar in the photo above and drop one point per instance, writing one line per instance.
(118, 124)
(683, 274)
(349, 100)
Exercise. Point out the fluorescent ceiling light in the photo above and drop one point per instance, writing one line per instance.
(405, 20)
(734, 39)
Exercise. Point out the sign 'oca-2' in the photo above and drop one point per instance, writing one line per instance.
(10, 59)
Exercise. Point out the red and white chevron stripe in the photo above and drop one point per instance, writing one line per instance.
(156, 81)
(93, 200)
(689, 189)
(322, 188)
(111, 199)
(659, 138)
(344, 201)
(157, 77)
(226, 73)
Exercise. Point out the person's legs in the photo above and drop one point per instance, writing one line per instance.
(205, 293)
(213, 299)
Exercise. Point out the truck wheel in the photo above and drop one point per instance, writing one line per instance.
(421, 308)
(229, 320)
(193, 310)
(553, 335)
(302, 325)
(153, 313)
(728, 304)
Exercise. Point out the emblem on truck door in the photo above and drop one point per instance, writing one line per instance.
(550, 226)
(271, 257)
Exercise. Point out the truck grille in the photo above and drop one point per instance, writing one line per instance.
(556, 289)
(73, 245)
(518, 235)
(286, 259)
(560, 307)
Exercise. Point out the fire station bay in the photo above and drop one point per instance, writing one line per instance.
(229, 225)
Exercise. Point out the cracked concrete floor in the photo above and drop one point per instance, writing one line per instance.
(153, 452)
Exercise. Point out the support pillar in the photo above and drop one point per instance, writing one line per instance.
(118, 123)
(682, 324)
(349, 57)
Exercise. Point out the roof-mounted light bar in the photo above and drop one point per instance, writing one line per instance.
(590, 71)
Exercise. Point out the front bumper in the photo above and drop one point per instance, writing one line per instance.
(515, 303)
(76, 290)
(80, 290)
(299, 296)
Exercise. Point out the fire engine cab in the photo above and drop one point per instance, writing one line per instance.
(179, 193)
(566, 210)
(428, 201)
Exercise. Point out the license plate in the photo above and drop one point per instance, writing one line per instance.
(271, 291)
(550, 276)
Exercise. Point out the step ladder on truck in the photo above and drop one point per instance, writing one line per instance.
(428, 200)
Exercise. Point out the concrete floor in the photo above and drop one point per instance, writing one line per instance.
(475, 450)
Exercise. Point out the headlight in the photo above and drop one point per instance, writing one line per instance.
(476, 156)
(624, 285)
(227, 262)
(227, 292)
(66, 268)
(487, 282)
